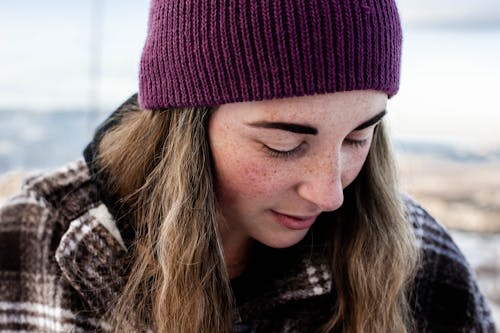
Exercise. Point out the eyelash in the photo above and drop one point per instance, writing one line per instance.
(296, 150)
(357, 143)
(283, 153)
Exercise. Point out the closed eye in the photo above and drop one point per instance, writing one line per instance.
(283, 153)
(356, 143)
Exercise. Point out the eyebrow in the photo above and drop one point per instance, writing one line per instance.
(371, 121)
(304, 129)
(290, 127)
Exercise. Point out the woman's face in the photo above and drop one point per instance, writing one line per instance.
(280, 163)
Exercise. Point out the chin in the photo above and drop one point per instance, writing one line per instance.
(283, 241)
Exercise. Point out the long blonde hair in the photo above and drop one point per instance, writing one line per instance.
(159, 164)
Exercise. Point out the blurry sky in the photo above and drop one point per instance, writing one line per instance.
(45, 50)
(450, 74)
(451, 12)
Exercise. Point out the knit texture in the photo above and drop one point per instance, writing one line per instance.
(203, 53)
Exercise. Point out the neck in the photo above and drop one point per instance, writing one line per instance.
(236, 251)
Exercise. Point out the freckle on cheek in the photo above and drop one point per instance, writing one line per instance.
(251, 179)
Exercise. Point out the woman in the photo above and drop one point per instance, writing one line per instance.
(248, 188)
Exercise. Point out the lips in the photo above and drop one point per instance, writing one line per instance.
(294, 222)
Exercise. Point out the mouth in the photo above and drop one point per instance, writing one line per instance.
(294, 222)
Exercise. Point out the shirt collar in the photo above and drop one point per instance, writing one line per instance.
(92, 257)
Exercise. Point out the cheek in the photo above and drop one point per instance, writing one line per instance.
(352, 166)
(244, 177)
(241, 172)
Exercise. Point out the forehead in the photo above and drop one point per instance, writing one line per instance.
(353, 105)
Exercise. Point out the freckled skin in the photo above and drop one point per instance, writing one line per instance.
(251, 183)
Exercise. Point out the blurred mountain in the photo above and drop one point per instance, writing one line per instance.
(447, 151)
(450, 13)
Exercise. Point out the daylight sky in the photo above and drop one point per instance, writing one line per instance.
(45, 51)
(485, 12)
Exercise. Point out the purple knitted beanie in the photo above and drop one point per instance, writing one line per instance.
(204, 53)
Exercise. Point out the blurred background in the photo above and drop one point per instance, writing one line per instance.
(64, 66)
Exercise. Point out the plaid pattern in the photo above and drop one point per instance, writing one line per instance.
(62, 261)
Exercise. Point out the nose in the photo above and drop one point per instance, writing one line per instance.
(322, 184)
